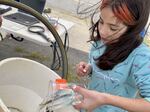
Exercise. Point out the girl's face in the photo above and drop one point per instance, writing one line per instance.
(110, 28)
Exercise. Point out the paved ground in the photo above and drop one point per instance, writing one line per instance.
(78, 51)
(27, 49)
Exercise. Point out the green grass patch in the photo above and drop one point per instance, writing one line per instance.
(37, 56)
(20, 50)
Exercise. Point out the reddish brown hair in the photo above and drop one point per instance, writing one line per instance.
(134, 14)
(121, 11)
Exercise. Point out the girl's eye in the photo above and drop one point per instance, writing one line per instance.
(113, 29)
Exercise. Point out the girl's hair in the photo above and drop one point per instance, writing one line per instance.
(0, 21)
(134, 14)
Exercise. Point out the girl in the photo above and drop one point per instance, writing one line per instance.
(119, 61)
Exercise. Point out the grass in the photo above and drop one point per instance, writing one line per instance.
(37, 56)
(20, 50)
(32, 55)
(71, 77)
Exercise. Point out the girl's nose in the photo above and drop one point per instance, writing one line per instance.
(103, 31)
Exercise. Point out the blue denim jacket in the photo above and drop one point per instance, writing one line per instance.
(125, 79)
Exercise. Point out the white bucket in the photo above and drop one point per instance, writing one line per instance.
(24, 84)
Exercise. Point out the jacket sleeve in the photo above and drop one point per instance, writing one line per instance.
(141, 75)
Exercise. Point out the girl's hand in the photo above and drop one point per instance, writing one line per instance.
(91, 99)
(83, 69)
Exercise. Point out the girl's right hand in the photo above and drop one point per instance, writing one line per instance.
(91, 99)
(83, 69)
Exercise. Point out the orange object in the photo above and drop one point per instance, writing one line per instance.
(61, 83)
